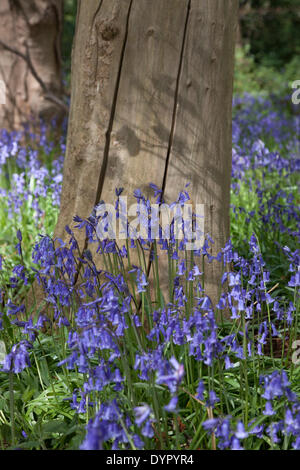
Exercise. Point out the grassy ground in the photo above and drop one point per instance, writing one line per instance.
(110, 369)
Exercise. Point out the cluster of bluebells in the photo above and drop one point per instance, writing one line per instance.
(294, 266)
(276, 391)
(260, 123)
(25, 179)
(228, 436)
(110, 347)
(110, 424)
(258, 117)
(105, 314)
(18, 358)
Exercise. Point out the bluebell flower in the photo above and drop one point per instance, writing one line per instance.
(18, 358)
(210, 424)
(240, 431)
(174, 377)
(200, 390)
(172, 405)
(147, 430)
(268, 411)
(212, 399)
(141, 413)
(235, 444)
(95, 436)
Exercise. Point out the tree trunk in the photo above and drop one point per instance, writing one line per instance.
(30, 62)
(151, 102)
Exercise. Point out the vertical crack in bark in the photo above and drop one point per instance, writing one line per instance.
(110, 125)
(171, 138)
(96, 13)
(77, 17)
(97, 46)
(113, 111)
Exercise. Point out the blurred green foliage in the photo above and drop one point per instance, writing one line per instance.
(267, 58)
(254, 78)
(268, 53)
(271, 29)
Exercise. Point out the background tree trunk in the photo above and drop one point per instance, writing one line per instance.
(151, 102)
(30, 62)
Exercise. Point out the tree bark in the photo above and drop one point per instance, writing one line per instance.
(151, 102)
(30, 61)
